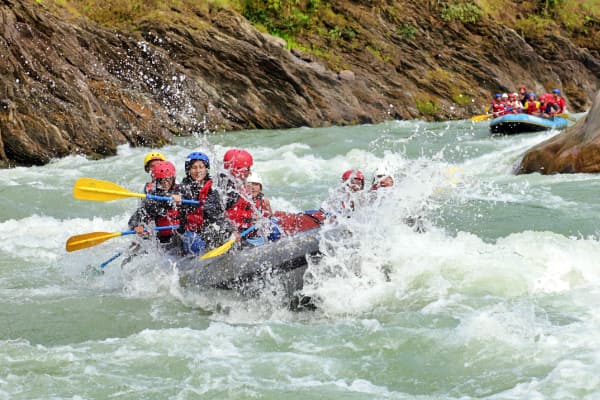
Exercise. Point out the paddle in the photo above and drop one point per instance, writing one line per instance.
(481, 117)
(99, 190)
(224, 248)
(91, 239)
(566, 116)
(105, 263)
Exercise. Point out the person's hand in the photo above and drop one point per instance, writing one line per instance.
(176, 199)
(236, 236)
(140, 231)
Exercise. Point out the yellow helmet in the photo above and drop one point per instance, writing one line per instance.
(154, 155)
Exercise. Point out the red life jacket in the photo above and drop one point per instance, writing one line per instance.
(241, 213)
(561, 104)
(533, 107)
(171, 218)
(195, 219)
(498, 108)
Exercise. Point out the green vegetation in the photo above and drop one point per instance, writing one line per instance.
(534, 27)
(407, 31)
(465, 12)
(427, 106)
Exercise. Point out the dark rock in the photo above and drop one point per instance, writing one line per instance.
(72, 87)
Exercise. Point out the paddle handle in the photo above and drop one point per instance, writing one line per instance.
(165, 198)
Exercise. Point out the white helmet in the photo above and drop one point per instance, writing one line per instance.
(254, 178)
(382, 171)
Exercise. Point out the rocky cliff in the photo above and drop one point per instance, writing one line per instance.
(70, 86)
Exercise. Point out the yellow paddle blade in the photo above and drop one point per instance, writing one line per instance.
(566, 116)
(481, 117)
(91, 239)
(224, 248)
(98, 190)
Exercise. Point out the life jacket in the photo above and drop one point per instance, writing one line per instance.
(195, 219)
(261, 205)
(561, 105)
(498, 107)
(240, 213)
(532, 107)
(171, 218)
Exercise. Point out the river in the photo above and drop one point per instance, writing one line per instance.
(498, 299)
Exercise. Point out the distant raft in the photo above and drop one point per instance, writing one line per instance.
(521, 123)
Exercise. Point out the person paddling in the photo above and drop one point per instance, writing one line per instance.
(382, 178)
(263, 215)
(262, 204)
(149, 160)
(159, 213)
(232, 184)
(204, 226)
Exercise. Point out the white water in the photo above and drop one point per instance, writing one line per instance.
(497, 299)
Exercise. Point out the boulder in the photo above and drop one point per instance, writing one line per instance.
(575, 150)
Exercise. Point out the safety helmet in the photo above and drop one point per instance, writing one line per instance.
(531, 94)
(163, 169)
(189, 160)
(556, 91)
(522, 87)
(498, 95)
(154, 155)
(382, 171)
(504, 96)
(352, 173)
(236, 159)
(254, 178)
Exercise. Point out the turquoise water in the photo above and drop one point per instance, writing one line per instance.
(498, 299)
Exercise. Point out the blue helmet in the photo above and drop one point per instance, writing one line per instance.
(556, 91)
(196, 156)
(498, 95)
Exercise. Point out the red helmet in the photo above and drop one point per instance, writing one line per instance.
(163, 169)
(352, 173)
(236, 159)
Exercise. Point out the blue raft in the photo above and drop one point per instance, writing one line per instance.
(521, 123)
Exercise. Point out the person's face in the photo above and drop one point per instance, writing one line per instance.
(385, 181)
(255, 188)
(356, 184)
(198, 171)
(522, 90)
(165, 183)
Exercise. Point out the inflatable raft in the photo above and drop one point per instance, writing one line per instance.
(521, 123)
(248, 267)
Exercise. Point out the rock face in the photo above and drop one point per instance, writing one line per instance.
(68, 86)
(575, 150)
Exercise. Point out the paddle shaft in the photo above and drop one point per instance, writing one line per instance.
(165, 198)
(157, 228)
(105, 263)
